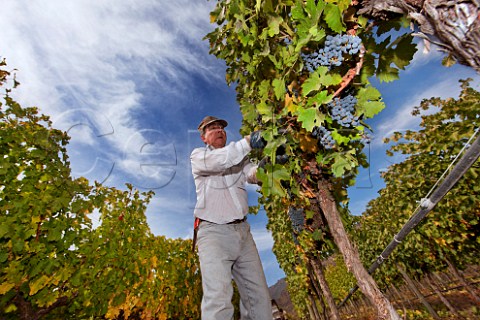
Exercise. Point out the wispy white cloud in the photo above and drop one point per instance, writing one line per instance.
(402, 119)
(420, 85)
(95, 56)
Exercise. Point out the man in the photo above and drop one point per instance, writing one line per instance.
(225, 245)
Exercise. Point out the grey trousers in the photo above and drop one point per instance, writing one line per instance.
(227, 251)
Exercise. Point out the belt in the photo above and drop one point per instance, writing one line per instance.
(237, 221)
(197, 223)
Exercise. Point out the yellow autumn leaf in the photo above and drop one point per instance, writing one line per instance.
(154, 261)
(162, 316)
(5, 287)
(290, 103)
(112, 312)
(292, 99)
(441, 241)
(38, 284)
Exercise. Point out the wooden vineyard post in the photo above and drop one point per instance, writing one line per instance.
(435, 288)
(312, 308)
(463, 282)
(318, 270)
(419, 295)
(319, 293)
(396, 296)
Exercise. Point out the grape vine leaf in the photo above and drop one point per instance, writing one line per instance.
(339, 138)
(278, 87)
(340, 165)
(369, 103)
(271, 181)
(264, 109)
(333, 17)
(320, 98)
(320, 78)
(274, 25)
(310, 117)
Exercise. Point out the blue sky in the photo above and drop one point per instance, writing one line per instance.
(130, 80)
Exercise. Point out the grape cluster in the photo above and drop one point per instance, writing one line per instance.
(324, 137)
(297, 217)
(343, 109)
(332, 53)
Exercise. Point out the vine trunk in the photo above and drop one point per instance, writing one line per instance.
(385, 309)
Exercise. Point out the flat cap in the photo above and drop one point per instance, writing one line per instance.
(210, 119)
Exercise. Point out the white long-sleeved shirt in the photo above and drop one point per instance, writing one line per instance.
(220, 176)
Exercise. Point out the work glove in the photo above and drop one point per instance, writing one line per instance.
(256, 140)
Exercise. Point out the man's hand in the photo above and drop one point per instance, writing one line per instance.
(256, 140)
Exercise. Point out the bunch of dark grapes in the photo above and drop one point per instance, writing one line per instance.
(332, 53)
(346, 43)
(343, 109)
(297, 217)
(324, 137)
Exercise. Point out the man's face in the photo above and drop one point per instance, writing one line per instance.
(215, 135)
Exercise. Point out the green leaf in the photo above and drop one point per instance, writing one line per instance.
(274, 25)
(310, 7)
(369, 103)
(340, 138)
(388, 74)
(264, 109)
(310, 118)
(18, 245)
(279, 88)
(329, 79)
(3, 256)
(333, 17)
(297, 12)
(313, 83)
(372, 108)
(271, 181)
(320, 98)
(4, 229)
(309, 214)
(342, 162)
(404, 51)
(263, 89)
